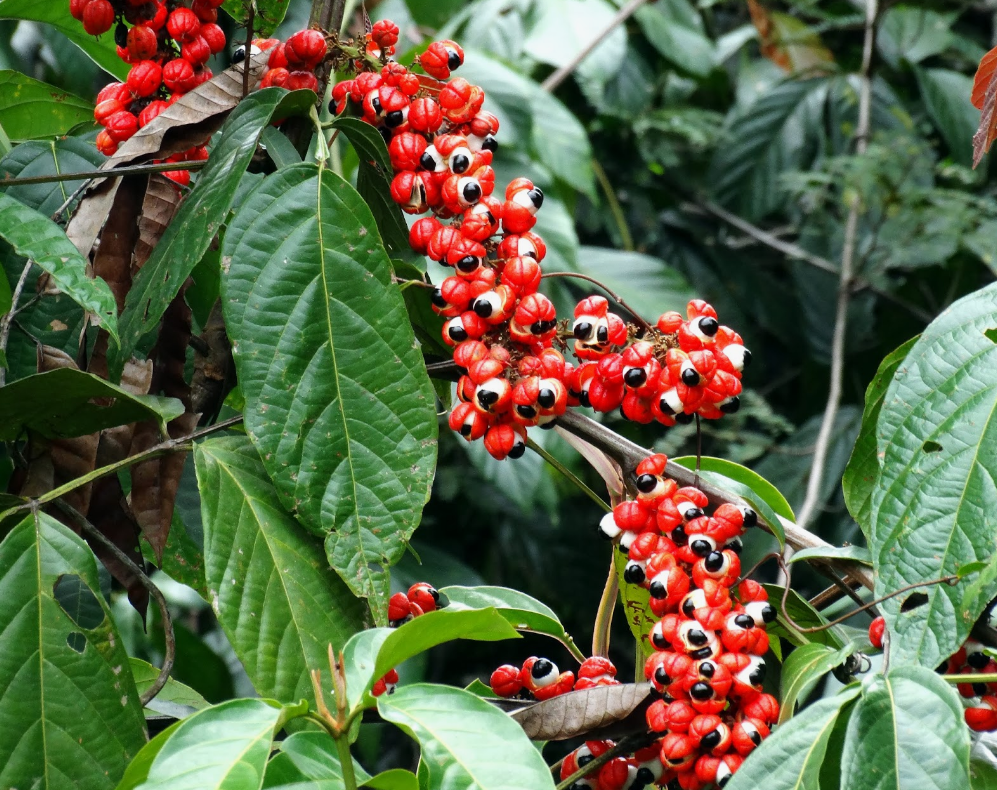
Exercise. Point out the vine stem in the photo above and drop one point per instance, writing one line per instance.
(111, 172)
(604, 614)
(616, 297)
(8, 319)
(571, 476)
(624, 746)
(981, 677)
(164, 611)
(626, 238)
(826, 431)
(180, 444)
(346, 761)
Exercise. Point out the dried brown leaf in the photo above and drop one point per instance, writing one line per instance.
(113, 259)
(789, 43)
(985, 99)
(601, 712)
(214, 369)
(160, 204)
(111, 517)
(608, 469)
(115, 443)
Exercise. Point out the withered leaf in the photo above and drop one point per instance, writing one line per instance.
(789, 43)
(984, 98)
(601, 712)
(160, 204)
(608, 469)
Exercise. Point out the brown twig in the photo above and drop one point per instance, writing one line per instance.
(111, 172)
(164, 611)
(626, 745)
(616, 297)
(562, 73)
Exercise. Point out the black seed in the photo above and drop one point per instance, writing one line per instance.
(658, 640)
(472, 192)
(602, 335)
(701, 691)
(457, 333)
(482, 307)
(540, 668)
(735, 545)
(707, 669)
(239, 55)
(708, 326)
(459, 163)
(731, 406)
(661, 677)
(517, 450)
(644, 776)
(468, 263)
(694, 513)
(688, 607)
(697, 637)
(526, 412)
(537, 327)
(486, 397)
(426, 162)
(703, 652)
(747, 358)
(683, 418)
(755, 737)
(768, 613)
(679, 538)
(744, 621)
(667, 410)
(658, 590)
(750, 517)
(711, 740)
(582, 330)
(453, 60)
(489, 144)
(121, 35)
(979, 689)
(547, 398)
(646, 483)
(633, 574)
(375, 103)
(635, 377)
(701, 547)
(583, 398)
(438, 299)
(394, 118)
(690, 377)
(536, 197)
(465, 430)
(977, 660)
(757, 675)
(714, 562)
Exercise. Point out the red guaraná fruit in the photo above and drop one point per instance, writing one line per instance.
(145, 77)
(178, 76)
(183, 25)
(305, 49)
(876, 629)
(98, 16)
(142, 43)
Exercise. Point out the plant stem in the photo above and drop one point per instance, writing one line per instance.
(824, 435)
(568, 474)
(111, 172)
(180, 444)
(616, 297)
(982, 677)
(626, 239)
(164, 611)
(346, 760)
(604, 614)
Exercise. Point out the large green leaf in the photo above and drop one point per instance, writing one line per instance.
(275, 596)
(35, 236)
(174, 693)
(561, 143)
(934, 505)
(790, 758)
(750, 486)
(35, 158)
(69, 711)
(944, 93)
(802, 671)
(676, 38)
(805, 616)
(906, 731)
(58, 403)
(202, 212)
(774, 134)
(370, 654)
(648, 284)
(269, 14)
(224, 747)
(523, 612)
(337, 397)
(31, 109)
(913, 34)
(465, 741)
(101, 50)
(309, 756)
(863, 466)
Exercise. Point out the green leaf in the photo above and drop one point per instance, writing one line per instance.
(790, 758)
(373, 184)
(523, 612)
(944, 93)
(648, 284)
(863, 466)
(982, 775)
(337, 397)
(202, 212)
(678, 41)
(32, 109)
(508, 94)
(276, 598)
(854, 553)
(906, 731)
(69, 712)
(269, 14)
(802, 671)
(371, 654)
(224, 747)
(465, 741)
(34, 158)
(772, 135)
(35, 236)
(750, 486)
(562, 144)
(314, 756)
(58, 404)
(393, 779)
(913, 34)
(804, 615)
(174, 692)
(934, 505)
(636, 603)
(101, 50)
(280, 150)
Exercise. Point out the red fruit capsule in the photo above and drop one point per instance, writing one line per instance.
(305, 49)
(398, 609)
(105, 143)
(440, 58)
(142, 42)
(505, 441)
(425, 116)
(505, 681)
(302, 80)
(121, 126)
(275, 78)
(77, 7)
(205, 11)
(384, 33)
(876, 629)
(183, 25)
(196, 51)
(178, 76)
(425, 596)
(145, 77)
(98, 16)
(214, 36)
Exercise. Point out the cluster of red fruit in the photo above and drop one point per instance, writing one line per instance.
(539, 678)
(504, 332)
(980, 698)
(709, 641)
(637, 771)
(421, 597)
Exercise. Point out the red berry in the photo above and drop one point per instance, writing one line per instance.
(178, 76)
(106, 109)
(114, 90)
(181, 177)
(76, 8)
(384, 33)
(145, 77)
(98, 16)
(275, 78)
(105, 143)
(277, 58)
(142, 43)
(214, 36)
(425, 116)
(876, 629)
(196, 51)
(159, 16)
(204, 11)
(121, 126)
(305, 49)
(183, 25)
(151, 112)
(302, 80)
